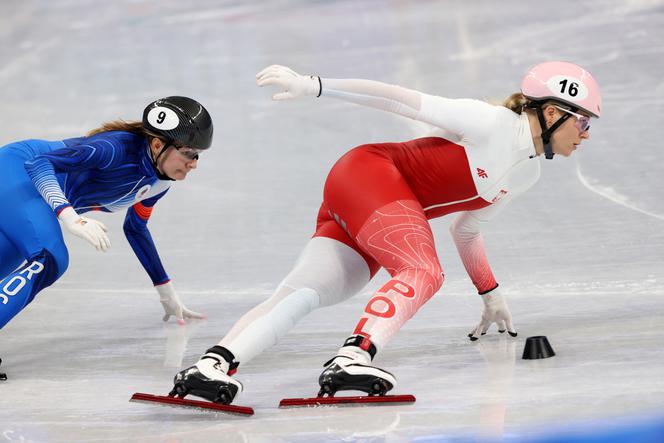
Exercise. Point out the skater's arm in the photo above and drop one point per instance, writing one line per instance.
(463, 117)
(466, 232)
(139, 238)
(374, 94)
(138, 235)
(42, 169)
(101, 153)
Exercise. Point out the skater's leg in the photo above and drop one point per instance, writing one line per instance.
(10, 257)
(326, 273)
(399, 237)
(33, 229)
(371, 199)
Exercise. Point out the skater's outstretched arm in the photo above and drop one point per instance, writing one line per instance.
(464, 117)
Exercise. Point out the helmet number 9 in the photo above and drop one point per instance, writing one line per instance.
(573, 89)
(163, 118)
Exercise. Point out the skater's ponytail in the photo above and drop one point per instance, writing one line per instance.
(516, 102)
(135, 127)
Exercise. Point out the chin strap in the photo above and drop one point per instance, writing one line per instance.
(160, 175)
(546, 133)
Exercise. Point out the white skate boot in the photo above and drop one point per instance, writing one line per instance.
(351, 370)
(209, 378)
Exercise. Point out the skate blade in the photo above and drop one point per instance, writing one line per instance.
(181, 402)
(347, 401)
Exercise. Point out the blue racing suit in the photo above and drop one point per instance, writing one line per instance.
(107, 172)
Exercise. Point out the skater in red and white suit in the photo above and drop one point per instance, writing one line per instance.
(377, 201)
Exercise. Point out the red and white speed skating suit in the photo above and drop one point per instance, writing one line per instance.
(377, 200)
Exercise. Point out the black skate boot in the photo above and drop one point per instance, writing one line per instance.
(3, 376)
(351, 370)
(209, 378)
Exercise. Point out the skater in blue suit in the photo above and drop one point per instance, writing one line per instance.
(47, 185)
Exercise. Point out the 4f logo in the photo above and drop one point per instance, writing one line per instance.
(482, 173)
(14, 284)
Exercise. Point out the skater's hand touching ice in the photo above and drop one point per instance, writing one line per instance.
(291, 83)
(173, 306)
(495, 311)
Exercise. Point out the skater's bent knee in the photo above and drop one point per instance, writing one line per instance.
(60, 258)
(53, 262)
(433, 275)
(438, 278)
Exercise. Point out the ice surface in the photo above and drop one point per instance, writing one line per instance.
(581, 256)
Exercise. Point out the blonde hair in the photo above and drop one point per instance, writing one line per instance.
(516, 102)
(135, 127)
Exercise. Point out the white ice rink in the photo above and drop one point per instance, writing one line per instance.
(581, 256)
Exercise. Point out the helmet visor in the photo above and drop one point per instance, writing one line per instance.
(187, 152)
(582, 121)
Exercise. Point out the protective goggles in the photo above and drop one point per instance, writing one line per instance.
(187, 152)
(582, 121)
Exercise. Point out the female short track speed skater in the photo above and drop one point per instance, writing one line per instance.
(377, 201)
(119, 165)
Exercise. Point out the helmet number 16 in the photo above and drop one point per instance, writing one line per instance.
(573, 89)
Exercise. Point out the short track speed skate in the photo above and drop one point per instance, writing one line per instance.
(3, 376)
(167, 400)
(350, 371)
(209, 378)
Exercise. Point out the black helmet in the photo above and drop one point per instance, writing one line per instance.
(179, 120)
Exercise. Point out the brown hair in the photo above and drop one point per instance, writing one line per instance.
(135, 127)
(516, 102)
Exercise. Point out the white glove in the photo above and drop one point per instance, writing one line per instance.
(495, 311)
(87, 228)
(293, 84)
(173, 306)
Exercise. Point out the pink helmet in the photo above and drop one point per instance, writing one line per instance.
(564, 82)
